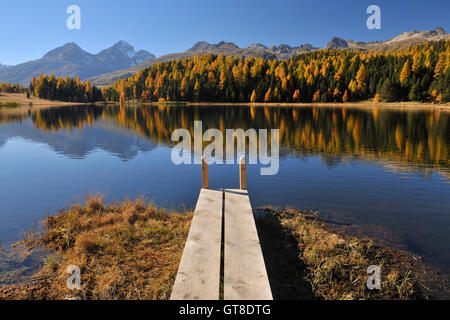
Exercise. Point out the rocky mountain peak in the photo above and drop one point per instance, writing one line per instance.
(228, 45)
(337, 43)
(204, 47)
(68, 49)
(440, 31)
(124, 46)
(257, 46)
(123, 53)
(199, 46)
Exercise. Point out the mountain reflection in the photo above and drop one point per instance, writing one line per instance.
(403, 140)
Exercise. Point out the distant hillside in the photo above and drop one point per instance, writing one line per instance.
(70, 60)
(281, 52)
(403, 41)
(2, 67)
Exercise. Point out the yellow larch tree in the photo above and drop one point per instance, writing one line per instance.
(268, 96)
(353, 86)
(223, 78)
(406, 71)
(276, 94)
(345, 98)
(296, 96)
(211, 77)
(440, 65)
(253, 97)
(316, 95)
(361, 78)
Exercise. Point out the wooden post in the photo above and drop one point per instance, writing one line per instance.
(205, 178)
(243, 173)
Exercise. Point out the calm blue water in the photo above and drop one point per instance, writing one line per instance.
(385, 170)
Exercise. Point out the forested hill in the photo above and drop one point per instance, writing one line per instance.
(420, 73)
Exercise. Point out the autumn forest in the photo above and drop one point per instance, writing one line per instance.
(420, 73)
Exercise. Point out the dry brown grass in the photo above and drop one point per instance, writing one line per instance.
(21, 99)
(335, 266)
(127, 250)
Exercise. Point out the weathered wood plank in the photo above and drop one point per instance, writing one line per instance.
(243, 173)
(245, 274)
(205, 175)
(198, 276)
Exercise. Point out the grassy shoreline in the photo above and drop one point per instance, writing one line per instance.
(303, 250)
(131, 250)
(368, 104)
(127, 250)
(21, 100)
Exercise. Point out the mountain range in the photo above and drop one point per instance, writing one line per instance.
(121, 60)
(70, 60)
(403, 41)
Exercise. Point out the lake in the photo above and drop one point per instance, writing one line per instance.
(386, 171)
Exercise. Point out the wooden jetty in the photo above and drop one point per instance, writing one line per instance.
(223, 241)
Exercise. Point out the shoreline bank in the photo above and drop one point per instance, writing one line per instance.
(131, 250)
(335, 261)
(23, 101)
(362, 105)
(370, 105)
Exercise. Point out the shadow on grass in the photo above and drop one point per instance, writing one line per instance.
(285, 270)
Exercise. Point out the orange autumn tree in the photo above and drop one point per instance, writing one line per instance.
(296, 96)
(345, 98)
(361, 78)
(316, 95)
(268, 96)
(406, 71)
(253, 97)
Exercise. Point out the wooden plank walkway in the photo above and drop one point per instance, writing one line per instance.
(198, 275)
(245, 275)
(244, 270)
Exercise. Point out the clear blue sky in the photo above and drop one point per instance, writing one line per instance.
(29, 29)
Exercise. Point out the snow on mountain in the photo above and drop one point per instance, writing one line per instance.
(70, 60)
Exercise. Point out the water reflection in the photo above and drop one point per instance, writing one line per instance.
(411, 141)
